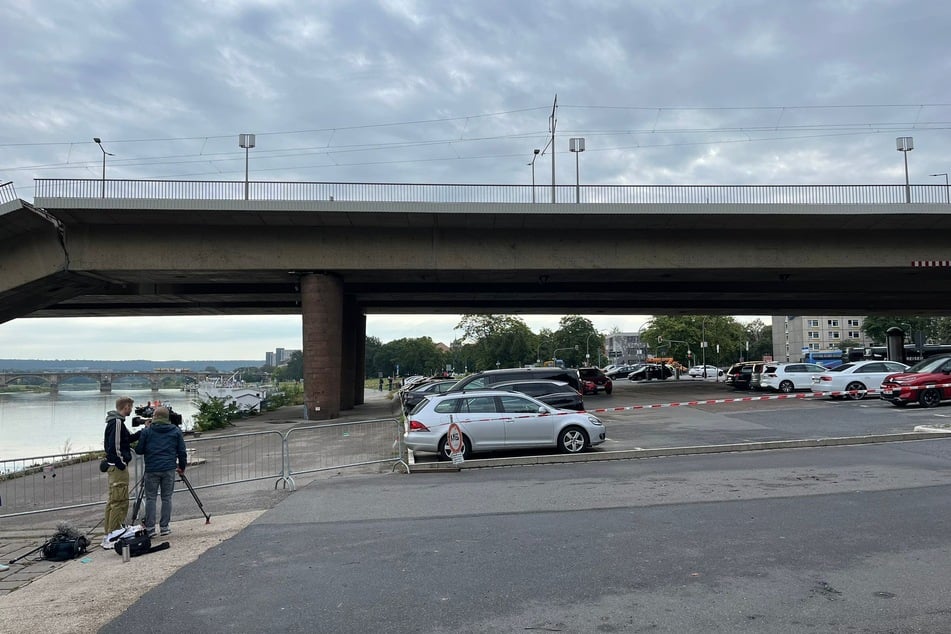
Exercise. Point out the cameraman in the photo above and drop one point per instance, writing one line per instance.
(117, 442)
(163, 446)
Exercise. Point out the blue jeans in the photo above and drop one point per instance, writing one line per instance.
(153, 481)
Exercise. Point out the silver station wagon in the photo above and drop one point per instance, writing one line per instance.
(493, 420)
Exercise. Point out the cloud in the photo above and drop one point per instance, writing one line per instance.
(425, 91)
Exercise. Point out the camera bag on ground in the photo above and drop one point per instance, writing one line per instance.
(68, 543)
(61, 548)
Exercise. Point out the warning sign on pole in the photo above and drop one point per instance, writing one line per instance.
(456, 443)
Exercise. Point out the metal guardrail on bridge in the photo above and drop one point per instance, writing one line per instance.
(461, 193)
(7, 192)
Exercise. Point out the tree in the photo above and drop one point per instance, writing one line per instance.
(503, 341)
(672, 336)
(932, 328)
(577, 334)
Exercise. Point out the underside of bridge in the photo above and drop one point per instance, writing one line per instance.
(113, 257)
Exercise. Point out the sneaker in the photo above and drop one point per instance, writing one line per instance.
(150, 532)
(166, 531)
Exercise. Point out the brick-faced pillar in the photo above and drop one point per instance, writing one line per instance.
(348, 353)
(360, 371)
(321, 302)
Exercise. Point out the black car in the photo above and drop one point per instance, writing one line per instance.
(622, 371)
(488, 379)
(740, 375)
(555, 393)
(650, 371)
(412, 397)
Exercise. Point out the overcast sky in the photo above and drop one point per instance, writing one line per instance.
(673, 92)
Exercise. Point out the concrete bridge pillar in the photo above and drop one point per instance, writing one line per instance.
(360, 371)
(155, 382)
(322, 330)
(348, 354)
(54, 384)
(105, 384)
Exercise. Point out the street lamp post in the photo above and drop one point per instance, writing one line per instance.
(703, 345)
(246, 141)
(552, 124)
(554, 355)
(98, 142)
(905, 144)
(587, 354)
(576, 145)
(536, 152)
(947, 189)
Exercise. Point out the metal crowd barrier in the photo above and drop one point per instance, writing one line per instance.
(58, 482)
(351, 444)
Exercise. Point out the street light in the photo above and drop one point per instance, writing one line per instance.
(947, 190)
(98, 142)
(537, 152)
(905, 144)
(576, 145)
(554, 355)
(246, 141)
(552, 124)
(587, 355)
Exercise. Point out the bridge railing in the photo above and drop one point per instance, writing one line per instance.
(463, 193)
(7, 192)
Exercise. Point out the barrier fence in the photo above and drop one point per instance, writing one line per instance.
(40, 484)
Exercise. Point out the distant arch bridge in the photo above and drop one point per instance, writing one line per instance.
(104, 379)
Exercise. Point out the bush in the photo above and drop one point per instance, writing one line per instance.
(215, 414)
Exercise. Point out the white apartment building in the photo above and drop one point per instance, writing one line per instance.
(624, 348)
(792, 333)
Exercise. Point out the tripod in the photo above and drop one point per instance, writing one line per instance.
(141, 494)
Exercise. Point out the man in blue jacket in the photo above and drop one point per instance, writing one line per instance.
(163, 446)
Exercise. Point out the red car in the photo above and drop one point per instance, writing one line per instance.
(594, 380)
(928, 382)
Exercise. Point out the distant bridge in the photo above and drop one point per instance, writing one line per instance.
(104, 379)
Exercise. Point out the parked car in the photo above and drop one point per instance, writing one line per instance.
(493, 420)
(649, 371)
(622, 371)
(787, 377)
(555, 393)
(855, 379)
(705, 371)
(739, 375)
(412, 397)
(488, 378)
(596, 377)
(756, 374)
(928, 382)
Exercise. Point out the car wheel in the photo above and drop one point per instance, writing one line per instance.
(445, 454)
(786, 387)
(572, 440)
(855, 386)
(929, 398)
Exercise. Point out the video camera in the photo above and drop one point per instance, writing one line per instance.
(144, 415)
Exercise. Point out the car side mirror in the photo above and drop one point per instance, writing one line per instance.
(542, 410)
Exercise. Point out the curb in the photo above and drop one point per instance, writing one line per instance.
(921, 432)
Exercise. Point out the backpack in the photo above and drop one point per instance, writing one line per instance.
(139, 543)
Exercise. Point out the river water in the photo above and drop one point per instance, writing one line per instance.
(39, 424)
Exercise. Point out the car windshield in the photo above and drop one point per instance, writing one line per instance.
(841, 368)
(926, 366)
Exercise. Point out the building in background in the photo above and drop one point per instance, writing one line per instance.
(794, 333)
(624, 348)
(279, 357)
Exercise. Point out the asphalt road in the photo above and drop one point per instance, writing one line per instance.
(808, 540)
